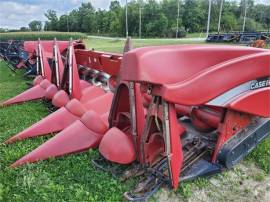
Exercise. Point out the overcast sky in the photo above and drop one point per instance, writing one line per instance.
(18, 13)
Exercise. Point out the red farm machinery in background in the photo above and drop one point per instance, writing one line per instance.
(168, 113)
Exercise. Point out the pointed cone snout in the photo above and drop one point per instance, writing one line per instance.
(55, 122)
(111, 152)
(34, 93)
(75, 138)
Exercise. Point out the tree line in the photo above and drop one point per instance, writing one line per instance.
(158, 18)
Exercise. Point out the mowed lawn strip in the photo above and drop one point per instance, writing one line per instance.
(69, 178)
(117, 44)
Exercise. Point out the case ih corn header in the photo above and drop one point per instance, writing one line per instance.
(171, 113)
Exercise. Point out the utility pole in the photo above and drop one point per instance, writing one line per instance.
(177, 19)
(220, 12)
(209, 16)
(140, 23)
(126, 19)
(245, 15)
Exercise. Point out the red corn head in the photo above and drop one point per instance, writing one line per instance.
(83, 134)
(78, 137)
(54, 122)
(65, 116)
(34, 93)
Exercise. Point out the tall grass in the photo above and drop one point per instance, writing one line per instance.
(42, 35)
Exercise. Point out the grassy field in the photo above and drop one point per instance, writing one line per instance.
(116, 45)
(196, 35)
(41, 35)
(73, 178)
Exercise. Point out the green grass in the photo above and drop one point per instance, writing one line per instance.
(41, 35)
(70, 178)
(116, 45)
(261, 155)
(196, 35)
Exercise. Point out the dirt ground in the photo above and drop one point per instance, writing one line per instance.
(245, 183)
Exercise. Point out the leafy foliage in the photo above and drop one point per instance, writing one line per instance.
(35, 25)
(159, 17)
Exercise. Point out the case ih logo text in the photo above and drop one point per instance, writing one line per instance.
(260, 84)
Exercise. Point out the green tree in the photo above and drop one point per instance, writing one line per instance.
(52, 23)
(192, 16)
(228, 22)
(74, 21)
(35, 25)
(170, 9)
(159, 17)
(24, 29)
(2, 30)
(86, 17)
(265, 18)
(63, 23)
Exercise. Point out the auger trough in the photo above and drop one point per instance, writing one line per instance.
(168, 113)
